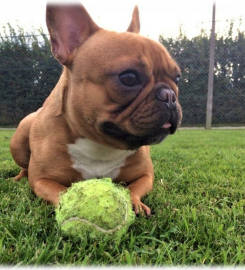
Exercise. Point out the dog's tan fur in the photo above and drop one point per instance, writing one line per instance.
(89, 94)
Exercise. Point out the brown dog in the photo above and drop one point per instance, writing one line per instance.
(117, 95)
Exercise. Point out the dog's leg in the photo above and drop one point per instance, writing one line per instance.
(48, 190)
(138, 175)
(20, 147)
(23, 173)
(138, 189)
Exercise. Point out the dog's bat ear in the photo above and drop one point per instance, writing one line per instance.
(134, 26)
(69, 26)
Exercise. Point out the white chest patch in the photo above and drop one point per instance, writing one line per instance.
(94, 160)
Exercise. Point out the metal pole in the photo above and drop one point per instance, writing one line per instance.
(211, 74)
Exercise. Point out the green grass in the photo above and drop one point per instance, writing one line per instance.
(198, 200)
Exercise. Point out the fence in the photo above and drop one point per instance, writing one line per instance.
(229, 77)
(28, 73)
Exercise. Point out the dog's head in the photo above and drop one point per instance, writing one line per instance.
(121, 87)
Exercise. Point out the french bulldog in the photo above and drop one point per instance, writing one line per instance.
(117, 95)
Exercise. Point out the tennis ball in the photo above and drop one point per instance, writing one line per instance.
(96, 208)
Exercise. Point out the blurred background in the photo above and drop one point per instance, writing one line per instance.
(28, 71)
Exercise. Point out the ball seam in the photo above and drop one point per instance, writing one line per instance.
(96, 226)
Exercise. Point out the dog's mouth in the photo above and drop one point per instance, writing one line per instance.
(135, 141)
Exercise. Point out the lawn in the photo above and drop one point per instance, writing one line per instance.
(198, 202)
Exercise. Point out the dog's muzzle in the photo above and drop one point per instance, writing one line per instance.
(157, 117)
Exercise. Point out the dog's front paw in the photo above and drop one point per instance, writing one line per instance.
(139, 207)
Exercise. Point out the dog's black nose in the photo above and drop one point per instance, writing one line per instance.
(168, 96)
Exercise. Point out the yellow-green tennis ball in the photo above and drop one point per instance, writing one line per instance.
(96, 208)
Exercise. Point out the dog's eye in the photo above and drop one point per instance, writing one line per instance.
(129, 78)
(177, 79)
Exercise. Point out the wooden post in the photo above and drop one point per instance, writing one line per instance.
(211, 74)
